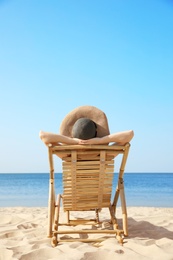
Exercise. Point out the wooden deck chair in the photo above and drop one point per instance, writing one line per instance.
(87, 186)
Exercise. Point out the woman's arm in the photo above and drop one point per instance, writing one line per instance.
(120, 138)
(50, 138)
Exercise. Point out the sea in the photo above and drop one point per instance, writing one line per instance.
(31, 189)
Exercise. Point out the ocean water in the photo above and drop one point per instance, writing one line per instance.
(31, 190)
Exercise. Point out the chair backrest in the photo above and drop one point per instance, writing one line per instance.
(87, 177)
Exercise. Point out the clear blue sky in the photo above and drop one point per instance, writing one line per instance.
(58, 55)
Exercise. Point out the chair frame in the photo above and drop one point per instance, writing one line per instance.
(68, 153)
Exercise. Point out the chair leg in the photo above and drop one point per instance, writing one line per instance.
(119, 233)
(97, 215)
(120, 192)
(120, 237)
(113, 218)
(124, 212)
(51, 207)
(56, 221)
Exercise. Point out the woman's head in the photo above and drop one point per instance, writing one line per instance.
(84, 128)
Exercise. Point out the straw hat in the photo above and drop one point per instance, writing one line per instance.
(90, 112)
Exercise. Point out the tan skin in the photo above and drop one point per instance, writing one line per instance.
(120, 138)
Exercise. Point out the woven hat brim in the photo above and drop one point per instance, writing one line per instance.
(91, 112)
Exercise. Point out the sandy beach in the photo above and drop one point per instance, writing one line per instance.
(23, 236)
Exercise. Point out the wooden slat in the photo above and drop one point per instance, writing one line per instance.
(86, 240)
(88, 231)
(92, 162)
(87, 147)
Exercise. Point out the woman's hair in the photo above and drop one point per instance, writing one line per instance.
(84, 128)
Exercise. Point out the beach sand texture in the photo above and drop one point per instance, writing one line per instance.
(23, 236)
